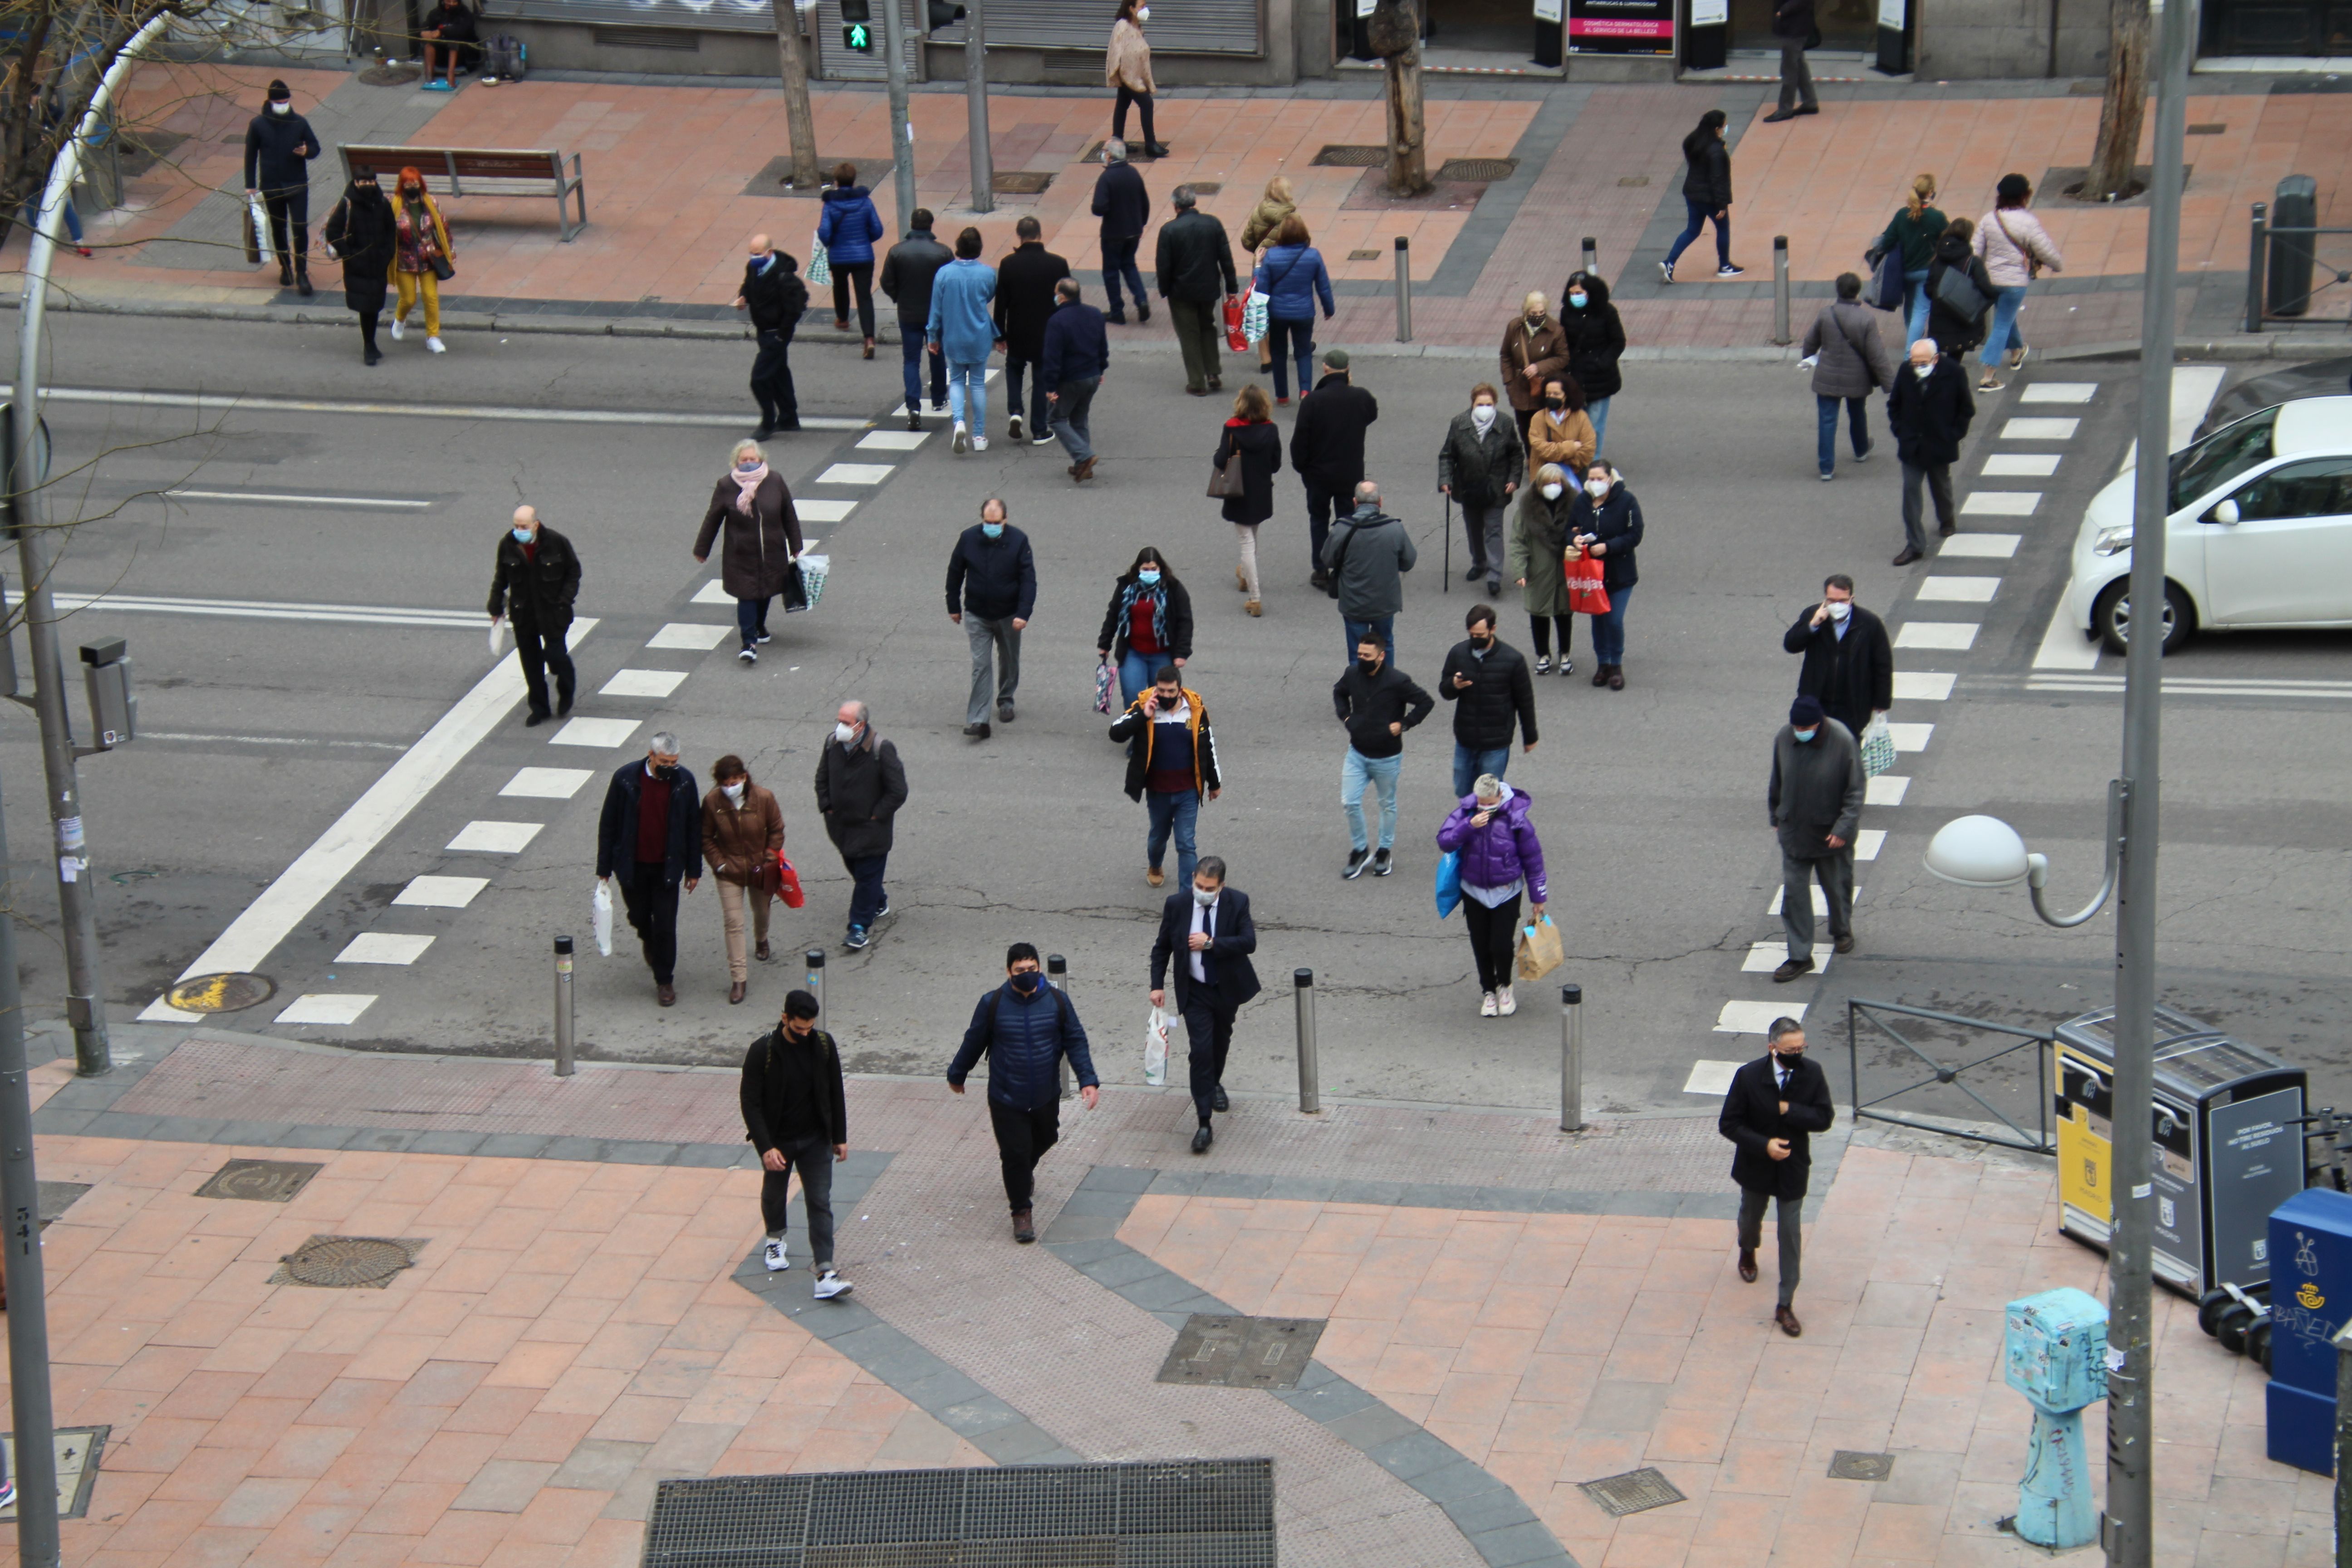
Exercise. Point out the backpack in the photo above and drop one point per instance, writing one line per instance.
(505, 58)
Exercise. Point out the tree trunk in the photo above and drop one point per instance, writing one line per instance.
(1408, 149)
(799, 121)
(2126, 103)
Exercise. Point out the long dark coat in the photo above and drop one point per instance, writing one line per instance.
(1539, 550)
(1260, 444)
(758, 559)
(363, 235)
(1751, 1119)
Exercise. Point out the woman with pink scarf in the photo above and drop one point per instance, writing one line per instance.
(764, 540)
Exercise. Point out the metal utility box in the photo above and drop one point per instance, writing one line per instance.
(2311, 1237)
(2228, 1148)
(113, 706)
(2055, 1349)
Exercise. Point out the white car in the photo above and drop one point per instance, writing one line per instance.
(2260, 532)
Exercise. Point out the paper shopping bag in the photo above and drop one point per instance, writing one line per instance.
(1538, 948)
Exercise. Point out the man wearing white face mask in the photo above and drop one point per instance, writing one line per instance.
(1849, 662)
(743, 833)
(1930, 410)
(537, 579)
(859, 788)
(278, 147)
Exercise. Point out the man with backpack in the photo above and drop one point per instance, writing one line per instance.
(1024, 1027)
(798, 1119)
(775, 295)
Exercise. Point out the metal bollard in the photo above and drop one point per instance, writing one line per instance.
(1571, 1058)
(1058, 976)
(1405, 290)
(2258, 267)
(1311, 1071)
(563, 1016)
(1592, 254)
(816, 984)
(1780, 333)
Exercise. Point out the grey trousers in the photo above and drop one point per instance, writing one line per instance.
(1939, 479)
(1792, 1240)
(1484, 524)
(1000, 639)
(1796, 76)
(1836, 872)
(1199, 327)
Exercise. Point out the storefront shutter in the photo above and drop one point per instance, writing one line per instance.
(714, 15)
(1177, 26)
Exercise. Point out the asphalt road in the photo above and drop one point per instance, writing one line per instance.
(260, 734)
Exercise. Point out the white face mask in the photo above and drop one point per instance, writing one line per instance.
(733, 792)
(1596, 488)
(1204, 899)
(281, 109)
(1482, 415)
(1143, 13)
(1923, 370)
(1551, 492)
(845, 734)
(1840, 610)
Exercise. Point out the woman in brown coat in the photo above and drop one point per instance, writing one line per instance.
(1561, 431)
(1264, 223)
(742, 832)
(764, 540)
(1535, 350)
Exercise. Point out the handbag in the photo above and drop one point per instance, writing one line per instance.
(1236, 338)
(2033, 262)
(1877, 747)
(1538, 949)
(1587, 593)
(443, 270)
(1887, 283)
(767, 876)
(1226, 483)
(1957, 292)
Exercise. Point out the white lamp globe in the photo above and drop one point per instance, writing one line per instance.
(1977, 852)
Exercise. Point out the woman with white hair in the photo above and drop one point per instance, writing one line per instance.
(1535, 350)
(1501, 862)
(764, 540)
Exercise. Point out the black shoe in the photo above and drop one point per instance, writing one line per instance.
(1808, 109)
(1356, 860)
(285, 276)
(977, 732)
(1907, 557)
(914, 420)
(1382, 864)
(764, 432)
(1778, 115)
(1218, 1100)
(1320, 580)
(1013, 428)
(534, 719)
(371, 356)
(1791, 969)
(302, 284)
(789, 422)
(1118, 318)
(1841, 944)
(1005, 711)
(1142, 312)
(1202, 1139)
(1216, 383)
(562, 704)
(1472, 576)
(1154, 150)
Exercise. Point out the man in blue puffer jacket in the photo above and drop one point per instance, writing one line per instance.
(1024, 1027)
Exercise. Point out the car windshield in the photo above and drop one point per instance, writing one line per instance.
(2219, 457)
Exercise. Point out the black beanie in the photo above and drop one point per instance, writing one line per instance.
(279, 92)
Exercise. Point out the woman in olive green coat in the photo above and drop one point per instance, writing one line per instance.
(1537, 562)
(1272, 208)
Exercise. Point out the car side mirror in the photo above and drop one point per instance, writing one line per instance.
(2226, 513)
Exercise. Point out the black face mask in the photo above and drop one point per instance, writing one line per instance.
(1482, 643)
(1025, 984)
(1369, 666)
(1554, 402)
(665, 770)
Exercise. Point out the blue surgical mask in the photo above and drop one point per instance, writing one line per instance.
(1803, 735)
(524, 535)
(1148, 576)
(1577, 300)
(750, 468)
(992, 530)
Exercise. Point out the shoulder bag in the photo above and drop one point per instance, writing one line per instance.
(1227, 482)
(2033, 262)
(1859, 351)
(1957, 292)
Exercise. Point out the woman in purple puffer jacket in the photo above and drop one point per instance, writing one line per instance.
(1502, 859)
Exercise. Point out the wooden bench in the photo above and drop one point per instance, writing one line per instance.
(485, 172)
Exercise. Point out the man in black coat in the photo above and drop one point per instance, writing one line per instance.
(1327, 452)
(992, 588)
(1194, 271)
(1124, 209)
(797, 1116)
(1849, 662)
(1930, 409)
(1207, 930)
(1076, 356)
(907, 274)
(278, 147)
(1378, 702)
(1024, 299)
(775, 295)
(1486, 680)
(859, 788)
(1776, 1104)
(650, 837)
(1792, 28)
(537, 579)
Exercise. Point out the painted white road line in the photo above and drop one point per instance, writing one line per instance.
(2020, 465)
(384, 947)
(643, 683)
(601, 732)
(327, 1008)
(1764, 957)
(2193, 388)
(691, 634)
(1957, 635)
(892, 440)
(2113, 686)
(2059, 392)
(385, 804)
(1754, 1017)
(441, 892)
(2000, 503)
(1711, 1078)
(856, 474)
(219, 402)
(263, 610)
(547, 783)
(1983, 546)
(386, 503)
(2039, 429)
(495, 837)
(712, 593)
(1868, 842)
(1821, 904)
(1886, 789)
(820, 509)
(2063, 646)
(273, 740)
(1922, 686)
(1911, 737)
(1957, 590)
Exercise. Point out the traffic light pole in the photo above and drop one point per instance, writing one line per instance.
(975, 87)
(902, 135)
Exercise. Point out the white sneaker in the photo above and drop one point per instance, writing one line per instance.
(830, 1284)
(963, 441)
(399, 329)
(1504, 1003)
(979, 443)
(1485, 1003)
(437, 345)
(1013, 427)
(773, 1254)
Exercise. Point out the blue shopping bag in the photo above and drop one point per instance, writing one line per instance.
(1449, 883)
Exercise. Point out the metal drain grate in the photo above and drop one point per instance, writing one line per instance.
(1633, 1492)
(1222, 1351)
(221, 993)
(1847, 1465)
(1477, 171)
(1020, 181)
(1363, 256)
(1346, 156)
(259, 1181)
(347, 1262)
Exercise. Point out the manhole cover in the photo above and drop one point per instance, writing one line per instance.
(2208, 129)
(259, 1181)
(1846, 1464)
(1206, 187)
(346, 1262)
(1477, 171)
(1632, 1492)
(1020, 183)
(1363, 256)
(1634, 180)
(1352, 157)
(391, 76)
(221, 993)
(77, 1448)
(1224, 1351)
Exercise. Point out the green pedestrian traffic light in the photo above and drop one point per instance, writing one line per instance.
(857, 25)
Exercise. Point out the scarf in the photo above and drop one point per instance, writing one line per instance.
(1159, 594)
(747, 485)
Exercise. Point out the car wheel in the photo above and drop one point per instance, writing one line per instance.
(2111, 618)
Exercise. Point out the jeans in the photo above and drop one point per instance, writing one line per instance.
(1016, 370)
(1209, 1038)
(1142, 101)
(1177, 813)
(1074, 401)
(1357, 769)
(968, 380)
(1000, 641)
(1469, 764)
(1291, 343)
(1609, 629)
(1836, 871)
(1493, 939)
(539, 652)
(1118, 261)
(1384, 628)
(813, 1158)
(771, 378)
(751, 619)
(1915, 293)
(1484, 524)
(861, 273)
(1790, 1215)
(1021, 1139)
(1857, 416)
(867, 897)
(1597, 410)
(2005, 305)
(1136, 671)
(1320, 504)
(1796, 76)
(1939, 479)
(732, 897)
(649, 894)
(73, 226)
(911, 348)
(1699, 216)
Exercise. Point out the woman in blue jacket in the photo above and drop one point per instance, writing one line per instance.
(847, 231)
(1291, 275)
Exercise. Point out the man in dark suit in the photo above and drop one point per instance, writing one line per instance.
(1208, 931)
(1930, 411)
(1849, 662)
(1024, 299)
(1776, 1104)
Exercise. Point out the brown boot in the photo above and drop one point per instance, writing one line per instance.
(1023, 1229)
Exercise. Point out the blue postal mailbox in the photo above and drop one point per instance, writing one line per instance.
(2310, 1298)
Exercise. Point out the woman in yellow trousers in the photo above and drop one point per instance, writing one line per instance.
(421, 238)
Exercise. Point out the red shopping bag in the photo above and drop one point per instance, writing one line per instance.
(788, 883)
(1236, 339)
(1586, 596)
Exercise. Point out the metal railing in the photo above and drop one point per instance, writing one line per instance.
(2039, 1041)
(2270, 303)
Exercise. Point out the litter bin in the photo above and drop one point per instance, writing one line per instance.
(2228, 1147)
(2311, 1236)
(2295, 205)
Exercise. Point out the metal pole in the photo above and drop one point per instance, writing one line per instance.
(815, 985)
(1592, 254)
(1405, 290)
(1058, 976)
(1780, 333)
(975, 89)
(1310, 1068)
(2128, 1528)
(79, 913)
(902, 134)
(29, 1309)
(1571, 1058)
(563, 1015)
(2257, 267)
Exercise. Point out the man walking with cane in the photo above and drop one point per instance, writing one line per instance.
(1024, 1027)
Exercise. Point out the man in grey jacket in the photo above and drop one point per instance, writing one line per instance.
(1366, 554)
(1849, 362)
(1814, 801)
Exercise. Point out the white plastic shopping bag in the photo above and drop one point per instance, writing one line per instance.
(497, 639)
(820, 267)
(1877, 746)
(1254, 318)
(263, 242)
(1155, 1048)
(601, 915)
(814, 569)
